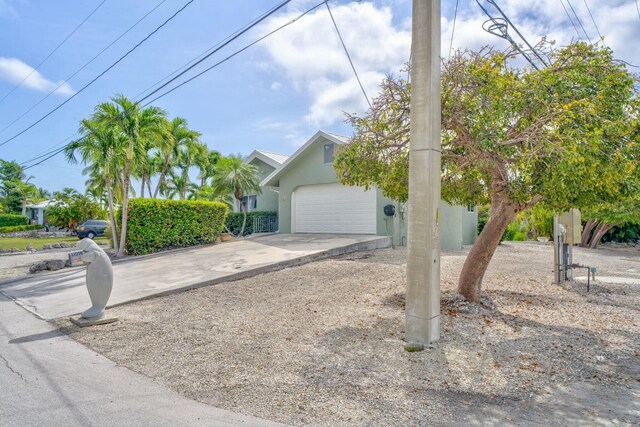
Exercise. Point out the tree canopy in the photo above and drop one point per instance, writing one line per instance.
(567, 134)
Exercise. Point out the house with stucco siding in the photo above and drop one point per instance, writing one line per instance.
(310, 199)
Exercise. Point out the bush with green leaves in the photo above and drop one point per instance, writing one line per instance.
(16, 228)
(234, 221)
(7, 220)
(514, 232)
(156, 224)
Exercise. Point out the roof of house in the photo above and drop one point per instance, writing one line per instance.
(269, 181)
(272, 159)
(41, 205)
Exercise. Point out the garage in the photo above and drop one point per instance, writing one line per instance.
(333, 208)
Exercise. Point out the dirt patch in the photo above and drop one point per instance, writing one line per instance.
(322, 344)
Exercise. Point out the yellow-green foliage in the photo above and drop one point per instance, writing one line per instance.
(7, 220)
(158, 224)
(15, 228)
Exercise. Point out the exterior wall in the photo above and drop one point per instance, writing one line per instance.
(39, 215)
(268, 199)
(309, 169)
(469, 226)
(451, 226)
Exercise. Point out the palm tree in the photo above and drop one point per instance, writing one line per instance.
(233, 176)
(176, 137)
(208, 193)
(179, 185)
(206, 165)
(102, 149)
(137, 127)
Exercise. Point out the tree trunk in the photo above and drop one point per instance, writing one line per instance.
(144, 179)
(149, 186)
(470, 282)
(112, 216)
(586, 233)
(599, 234)
(162, 174)
(125, 206)
(244, 217)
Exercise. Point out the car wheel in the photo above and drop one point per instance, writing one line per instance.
(91, 235)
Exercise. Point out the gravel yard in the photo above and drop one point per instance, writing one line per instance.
(322, 344)
(17, 265)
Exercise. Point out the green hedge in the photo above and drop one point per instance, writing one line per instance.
(159, 224)
(15, 228)
(7, 220)
(234, 221)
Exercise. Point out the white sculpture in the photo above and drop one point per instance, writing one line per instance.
(99, 278)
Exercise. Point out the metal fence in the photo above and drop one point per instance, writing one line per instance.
(265, 224)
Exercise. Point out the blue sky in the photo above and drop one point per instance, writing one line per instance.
(273, 96)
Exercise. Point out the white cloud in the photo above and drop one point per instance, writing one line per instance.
(310, 55)
(14, 71)
(617, 21)
(276, 85)
(313, 59)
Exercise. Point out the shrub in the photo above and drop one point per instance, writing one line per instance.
(483, 217)
(519, 236)
(234, 221)
(15, 228)
(155, 224)
(514, 232)
(7, 220)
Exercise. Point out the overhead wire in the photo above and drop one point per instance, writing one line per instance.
(579, 20)
(571, 20)
(344, 46)
(99, 75)
(81, 68)
(232, 55)
(638, 9)
(52, 153)
(593, 20)
(52, 52)
(453, 30)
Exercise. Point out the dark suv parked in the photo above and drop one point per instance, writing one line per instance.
(91, 228)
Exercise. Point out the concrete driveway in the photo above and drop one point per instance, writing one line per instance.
(63, 293)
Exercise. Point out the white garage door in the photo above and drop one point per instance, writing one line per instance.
(334, 208)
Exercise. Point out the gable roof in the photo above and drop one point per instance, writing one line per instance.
(272, 159)
(337, 139)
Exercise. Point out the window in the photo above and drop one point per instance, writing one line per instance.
(250, 203)
(471, 208)
(328, 153)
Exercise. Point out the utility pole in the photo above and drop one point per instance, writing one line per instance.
(422, 316)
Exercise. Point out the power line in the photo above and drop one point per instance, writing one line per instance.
(579, 20)
(81, 68)
(571, 20)
(638, 9)
(237, 34)
(593, 20)
(455, 15)
(53, 51)
(99, 75)
(231, 56)
(347, 52)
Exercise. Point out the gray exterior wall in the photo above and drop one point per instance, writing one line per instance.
(469, 225)
(309, 169)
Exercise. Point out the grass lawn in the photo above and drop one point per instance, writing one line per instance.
(22, 242)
